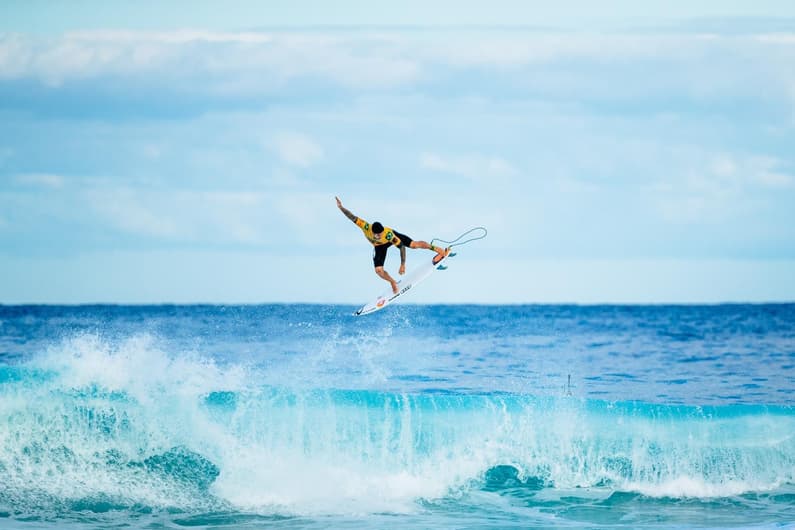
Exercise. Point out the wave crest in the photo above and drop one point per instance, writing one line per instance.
(101, 425)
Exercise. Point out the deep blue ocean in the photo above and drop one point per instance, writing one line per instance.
(303, 416)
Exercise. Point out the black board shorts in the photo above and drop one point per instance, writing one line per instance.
(379, 251)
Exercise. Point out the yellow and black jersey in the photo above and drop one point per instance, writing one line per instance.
(387, 236)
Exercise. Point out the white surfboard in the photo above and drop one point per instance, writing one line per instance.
(405, 284)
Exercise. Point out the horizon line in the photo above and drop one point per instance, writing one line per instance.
(491, 304)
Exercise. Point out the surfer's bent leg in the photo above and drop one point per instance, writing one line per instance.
(440, 251)
(379, 257)
(406, 240)
(385, 275)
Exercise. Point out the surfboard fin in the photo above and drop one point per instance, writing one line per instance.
(441, 268)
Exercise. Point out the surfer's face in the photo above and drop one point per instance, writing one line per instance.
(378, 235)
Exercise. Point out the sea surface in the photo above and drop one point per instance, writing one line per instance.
(465, 416)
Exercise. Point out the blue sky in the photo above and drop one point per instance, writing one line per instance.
(191, 153)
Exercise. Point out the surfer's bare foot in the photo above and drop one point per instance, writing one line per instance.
(395, 287)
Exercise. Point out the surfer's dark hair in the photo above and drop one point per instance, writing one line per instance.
(377, 227)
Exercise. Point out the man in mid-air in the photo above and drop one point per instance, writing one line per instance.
(382, 237)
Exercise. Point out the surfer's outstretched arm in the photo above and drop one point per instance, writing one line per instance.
(346, 211)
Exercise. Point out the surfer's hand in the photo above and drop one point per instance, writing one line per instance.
(339, 202)
(402, 269)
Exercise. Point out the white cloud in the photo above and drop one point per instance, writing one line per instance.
(495, 49)
(573, 185)
(574, 142)
(688, 209)
(43, 180)
(124, 209)
(179, 36)
(5, 154)
(186, 216)
(16, 54)
(298, 149)
(765, 172)
(775, 179)
(777, 38)
(238, 216)
(81, 55)
(360, 59)
(472, 166)
(259, 60)
(151, 151)
(301, 217)
(740, 173)
(719, 186)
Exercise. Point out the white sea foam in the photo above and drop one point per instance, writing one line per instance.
(91, 411)
(696, 487)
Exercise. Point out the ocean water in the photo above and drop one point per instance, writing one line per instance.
(302, 416)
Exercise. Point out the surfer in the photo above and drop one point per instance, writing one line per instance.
(382, 237)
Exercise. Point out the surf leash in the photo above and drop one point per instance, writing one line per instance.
(482, 232)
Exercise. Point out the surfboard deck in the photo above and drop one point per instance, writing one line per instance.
(405, 284)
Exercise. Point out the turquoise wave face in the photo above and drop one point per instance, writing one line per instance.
(87, 431)
(445, 417)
